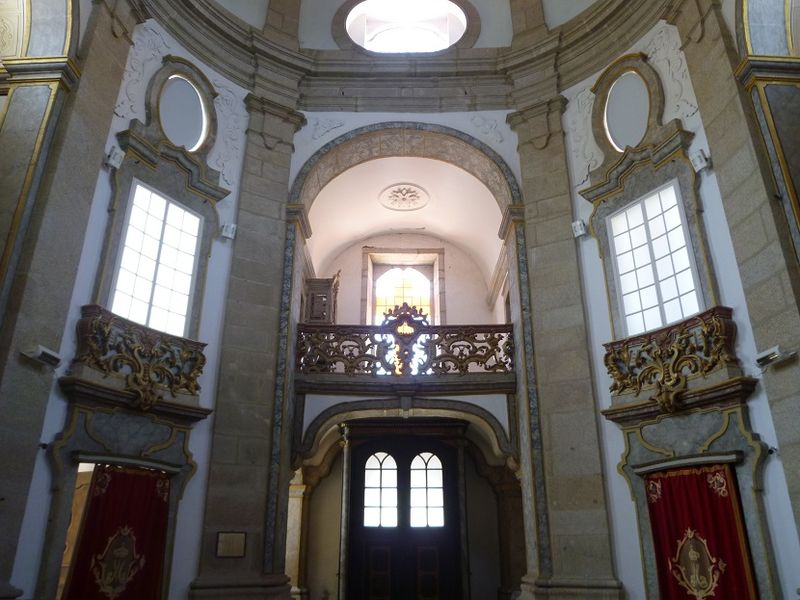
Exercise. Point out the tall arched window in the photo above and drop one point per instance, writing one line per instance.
(380, 491)
(427, 491)
(400, 285)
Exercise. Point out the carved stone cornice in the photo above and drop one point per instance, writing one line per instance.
(513, 214)
(200, 178)
(536, 124)
(658, 365)
(672, 138)
(148, 365)
(260, 104)
(334, 80)
(297, 213)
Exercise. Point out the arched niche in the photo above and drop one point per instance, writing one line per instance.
(391, 139)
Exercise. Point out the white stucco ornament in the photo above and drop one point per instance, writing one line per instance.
(404, 196)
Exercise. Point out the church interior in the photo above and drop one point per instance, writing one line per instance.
(392, 300)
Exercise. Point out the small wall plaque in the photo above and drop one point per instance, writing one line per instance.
(231, 544)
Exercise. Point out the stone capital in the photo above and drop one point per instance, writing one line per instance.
(513, 214)
(298, 215)
(267, 107)
(538, 123)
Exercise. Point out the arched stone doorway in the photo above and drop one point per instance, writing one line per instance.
(483, 503)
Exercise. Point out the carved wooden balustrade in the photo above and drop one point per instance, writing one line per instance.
(659, 365)
(151, 365)
(405, 344)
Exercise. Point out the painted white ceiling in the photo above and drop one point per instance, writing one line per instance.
(558, 12)
(252, 12)
(461, 210)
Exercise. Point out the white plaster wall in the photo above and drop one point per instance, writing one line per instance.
(465, 289)
(558, 12)
(324, 513)
(488, 127)
(252, 12)
(151, 44)
(662, 45)
(482, 534)
(316, 17)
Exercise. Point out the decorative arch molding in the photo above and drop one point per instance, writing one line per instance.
(412, 139)
(489, 436)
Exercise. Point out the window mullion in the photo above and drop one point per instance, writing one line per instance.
(158, 260)
(653, 263)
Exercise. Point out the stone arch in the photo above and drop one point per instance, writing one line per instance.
(411, 139)
(485, 432)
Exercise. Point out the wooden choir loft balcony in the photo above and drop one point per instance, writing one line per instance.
(405, 355)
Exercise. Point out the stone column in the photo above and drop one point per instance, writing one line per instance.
(755, 214)
(52, 143)
(580, 564)
(249, 466)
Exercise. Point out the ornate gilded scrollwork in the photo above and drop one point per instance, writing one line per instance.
(150, 362)
(405, 344)
(666, 358)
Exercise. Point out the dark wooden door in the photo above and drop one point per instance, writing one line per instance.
(406, 559)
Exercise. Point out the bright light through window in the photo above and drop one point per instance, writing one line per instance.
(653, 262)
(380, 491)
(390, 26)
(427, 491)
(154, 280)
(400, 285)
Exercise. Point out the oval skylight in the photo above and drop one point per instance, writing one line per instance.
(389, 26)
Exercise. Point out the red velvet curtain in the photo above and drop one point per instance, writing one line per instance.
(120, 551)
(698, 534)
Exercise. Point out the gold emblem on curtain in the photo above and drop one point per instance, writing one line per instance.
(117, 565)
(653, 491)
(693, 566)
(102, 480)
(717, 482)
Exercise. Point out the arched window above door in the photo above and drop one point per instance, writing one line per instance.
(398, 285)
(427, 491)
(380, 491)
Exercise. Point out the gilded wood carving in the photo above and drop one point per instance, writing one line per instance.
(151, 363)
(665, 359)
